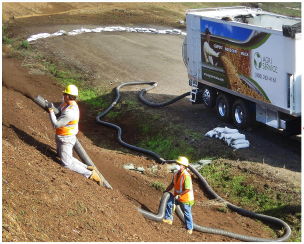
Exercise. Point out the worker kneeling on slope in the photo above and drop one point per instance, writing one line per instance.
(66, 125)
(183, 194)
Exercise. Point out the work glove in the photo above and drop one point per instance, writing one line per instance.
(49, 105)
(177, 197)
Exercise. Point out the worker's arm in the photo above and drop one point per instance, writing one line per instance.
(169, 188)
(67, 116)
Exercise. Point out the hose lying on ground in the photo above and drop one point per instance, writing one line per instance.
(161, 210)
(145, 101)
(158, 217)
(78, 147)
(142, 150)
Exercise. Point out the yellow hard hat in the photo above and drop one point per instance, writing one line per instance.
(183, 161)
(71, 90)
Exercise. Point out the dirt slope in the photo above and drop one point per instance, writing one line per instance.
(42, 201)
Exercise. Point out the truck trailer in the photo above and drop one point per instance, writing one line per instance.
(247, 64)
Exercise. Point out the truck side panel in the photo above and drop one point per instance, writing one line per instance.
(247, 60)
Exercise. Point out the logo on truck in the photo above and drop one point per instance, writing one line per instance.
(257, 60)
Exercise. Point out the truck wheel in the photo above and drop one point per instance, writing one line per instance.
(209, 96)
(241, 114)
(223, 107)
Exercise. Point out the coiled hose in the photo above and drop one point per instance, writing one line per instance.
(158, 217)
(78, 147)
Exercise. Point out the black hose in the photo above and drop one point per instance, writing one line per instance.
(165, 198)
(78, 147)
(161, 210)
(143, 91)
(139, 149)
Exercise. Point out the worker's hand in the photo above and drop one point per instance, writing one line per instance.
(49, 105)
(177, 197)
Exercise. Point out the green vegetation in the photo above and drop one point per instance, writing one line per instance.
(5, 40)
(224, 209)
(241, 189)
(70, 212)
(236, 188)
(164, 139)
(284, 8)
(91, 95)
(80, 208)
(165, 145)
(158, 186)
(24, 44)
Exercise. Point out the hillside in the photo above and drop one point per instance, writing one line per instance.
(42, 201)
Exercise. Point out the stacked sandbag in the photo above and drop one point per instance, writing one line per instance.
(231, 136)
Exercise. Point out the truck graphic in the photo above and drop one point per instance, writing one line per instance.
(246, 63)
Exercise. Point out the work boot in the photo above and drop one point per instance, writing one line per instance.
(95, 177)
(189, 232)
(168, 221)
(91, 168)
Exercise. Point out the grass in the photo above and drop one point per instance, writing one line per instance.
(90, 95)
(5, 39)
(158, 186)
(238, 187)
(24, 44)
(163, 139)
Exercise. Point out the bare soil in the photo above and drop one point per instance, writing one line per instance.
(42, 201)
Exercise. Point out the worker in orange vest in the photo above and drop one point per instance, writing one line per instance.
(183, 194)
(66, 126)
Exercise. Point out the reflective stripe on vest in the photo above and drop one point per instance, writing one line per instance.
(70, 128)
(179, 187)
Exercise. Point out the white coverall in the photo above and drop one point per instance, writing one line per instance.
(65, 144)
(209, 52)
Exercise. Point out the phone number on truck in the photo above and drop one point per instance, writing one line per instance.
(265, 77)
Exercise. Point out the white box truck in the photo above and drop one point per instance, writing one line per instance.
(247, 63)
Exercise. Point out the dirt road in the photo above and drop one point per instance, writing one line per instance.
(117, 57)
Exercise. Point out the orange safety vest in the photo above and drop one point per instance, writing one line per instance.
(70, 128)
(179, 187)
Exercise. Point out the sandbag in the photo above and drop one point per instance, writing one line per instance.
(230, 131)
(235, 136)
(238, 146)
(210, 133)
(219, 130)
(231, 136)
(240, 141)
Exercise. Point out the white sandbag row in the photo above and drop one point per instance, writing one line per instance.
(231, 136)
(106, 29)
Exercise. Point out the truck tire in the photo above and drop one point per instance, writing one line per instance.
(242, 117)
(209, 96)
(224, 107)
